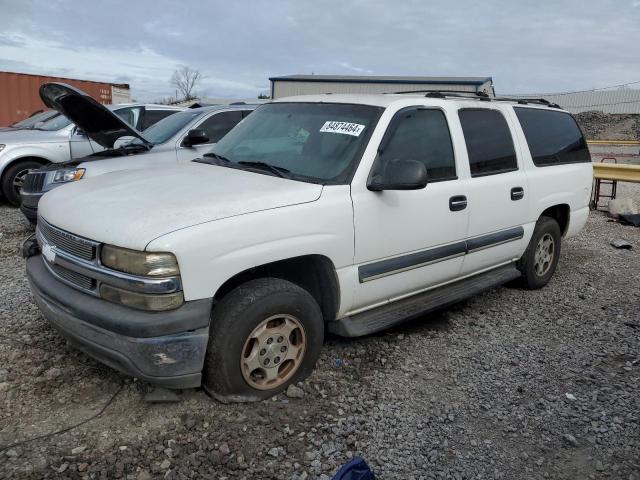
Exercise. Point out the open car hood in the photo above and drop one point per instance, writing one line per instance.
(97, 121)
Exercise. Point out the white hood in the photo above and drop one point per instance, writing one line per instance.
(131, 208)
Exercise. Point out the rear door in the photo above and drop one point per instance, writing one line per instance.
(152, 116)
(497, 191)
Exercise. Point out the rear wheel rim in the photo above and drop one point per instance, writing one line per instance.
(273, 352)
(544, 255)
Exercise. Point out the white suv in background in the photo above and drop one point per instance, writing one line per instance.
(340, 213)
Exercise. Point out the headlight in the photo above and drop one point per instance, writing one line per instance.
(139, 263)
(141, 301)
(2, 145)
(68, 175)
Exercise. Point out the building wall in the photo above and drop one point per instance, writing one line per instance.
(19, 97)
(284, 88)
(607, 101)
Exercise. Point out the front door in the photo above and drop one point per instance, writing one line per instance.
(215, 126)
(406, 241)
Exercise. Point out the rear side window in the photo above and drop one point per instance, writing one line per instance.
(553, 137)
(423, 135)
(489, 143)
(151, 117)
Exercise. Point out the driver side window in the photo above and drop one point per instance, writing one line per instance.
(218, 125)
(423, 134)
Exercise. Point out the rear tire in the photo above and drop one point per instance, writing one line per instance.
(540, 260)
(265, 335)
(13, 178)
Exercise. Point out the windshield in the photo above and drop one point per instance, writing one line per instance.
(168, 127)
(32, 120)
(55, 123)
(319, 142)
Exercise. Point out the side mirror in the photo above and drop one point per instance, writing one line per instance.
(399, 175)
(79, 132)
(195, 137)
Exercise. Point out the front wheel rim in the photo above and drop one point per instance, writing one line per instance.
(18, 180)
(544, 254)
(273, 352)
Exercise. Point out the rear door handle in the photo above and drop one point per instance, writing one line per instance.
(457, 202)
(517, 193)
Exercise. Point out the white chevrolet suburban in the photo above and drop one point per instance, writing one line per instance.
(338, 213)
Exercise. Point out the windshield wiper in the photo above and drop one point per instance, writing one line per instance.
(136, 146)
(216, 156)
(277, 171)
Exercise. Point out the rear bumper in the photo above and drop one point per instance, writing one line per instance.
(125, 339)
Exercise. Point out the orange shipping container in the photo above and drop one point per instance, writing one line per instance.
(19, 96)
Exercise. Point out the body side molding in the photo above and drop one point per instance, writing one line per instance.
(391, 266)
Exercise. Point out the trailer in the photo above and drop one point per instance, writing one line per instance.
(19, 97)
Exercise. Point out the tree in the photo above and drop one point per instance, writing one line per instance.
(185, 80)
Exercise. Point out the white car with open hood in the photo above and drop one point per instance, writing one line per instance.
(178, 138)
(56, 139)
(339, 213)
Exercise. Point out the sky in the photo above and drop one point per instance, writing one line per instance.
(526, 46)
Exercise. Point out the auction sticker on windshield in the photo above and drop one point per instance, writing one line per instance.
(346, 128)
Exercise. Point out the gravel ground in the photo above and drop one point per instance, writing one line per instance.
(511, 384)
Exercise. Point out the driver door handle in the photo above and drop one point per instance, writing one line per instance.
(457, 203)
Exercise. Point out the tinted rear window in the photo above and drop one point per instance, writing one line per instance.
(553, 137)
(489, 142)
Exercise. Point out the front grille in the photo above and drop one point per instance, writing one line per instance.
(33, 182)
(75, 278)
(66, 241)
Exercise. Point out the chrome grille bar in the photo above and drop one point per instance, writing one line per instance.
(77, 279)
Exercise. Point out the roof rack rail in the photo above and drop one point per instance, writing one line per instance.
(524, 101)
(238, 103)
(482, 96)
(447, 93)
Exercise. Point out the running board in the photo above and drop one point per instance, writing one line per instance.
(390, 314)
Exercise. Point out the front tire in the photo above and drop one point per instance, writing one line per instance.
(540, 260)
(14, 177)
(265, 335)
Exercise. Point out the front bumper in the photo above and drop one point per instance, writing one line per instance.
(30, 213)
(30, 199)
(163, 348)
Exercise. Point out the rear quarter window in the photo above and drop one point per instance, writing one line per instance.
(554, 138)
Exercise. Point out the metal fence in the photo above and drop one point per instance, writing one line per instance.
(607, 101)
